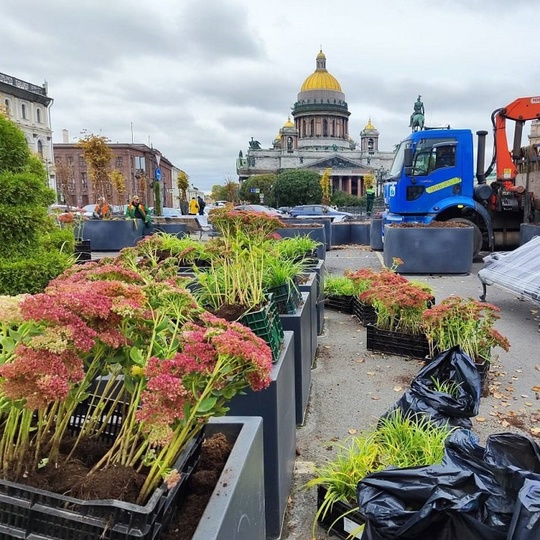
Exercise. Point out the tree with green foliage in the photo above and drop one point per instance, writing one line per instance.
(97, 155)
(298, 186)
(182, 181)
(264, 183)
(326, 186)
(35, 250)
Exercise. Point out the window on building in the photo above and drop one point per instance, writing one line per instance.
(40, 148)
(84, 181)
(69, 159)
(38, 116)
(325, 127)
(139, 163)
(119, 162)
(82, 162)
(23, 111)
(7, 106)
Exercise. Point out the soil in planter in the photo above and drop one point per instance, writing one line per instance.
(214, 454)
(431, 225)
(71, 478)
(230, 312)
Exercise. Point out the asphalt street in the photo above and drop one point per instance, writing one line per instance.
(352, 387)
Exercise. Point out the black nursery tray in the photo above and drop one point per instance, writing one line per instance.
(339, 303)
(29, 512)
(335, 522)
(397, 343)
(365, 313)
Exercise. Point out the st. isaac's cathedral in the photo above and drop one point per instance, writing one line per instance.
(317, 138)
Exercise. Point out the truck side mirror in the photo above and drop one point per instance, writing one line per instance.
(408, 157)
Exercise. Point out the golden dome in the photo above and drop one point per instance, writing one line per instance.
(321, 79)
(278, 137)
(369, 125)
(288, 123)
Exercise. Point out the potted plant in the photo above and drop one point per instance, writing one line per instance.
(339, 292)
(399, 307)
(76, 221)
(398, 441)
(117, 352)
(468, 323)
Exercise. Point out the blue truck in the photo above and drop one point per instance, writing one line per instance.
(433, 178)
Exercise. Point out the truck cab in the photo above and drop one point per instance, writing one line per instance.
(432, 171)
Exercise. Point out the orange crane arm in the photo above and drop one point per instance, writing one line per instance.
(520, 110)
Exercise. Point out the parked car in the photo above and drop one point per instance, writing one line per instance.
(258, 208)
(319, 210)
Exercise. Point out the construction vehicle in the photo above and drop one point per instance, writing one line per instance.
(432, 178)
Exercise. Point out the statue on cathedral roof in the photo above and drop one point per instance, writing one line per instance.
(254, 145)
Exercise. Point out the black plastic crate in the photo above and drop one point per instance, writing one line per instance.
(29, 512)
(365, 313)
(397, 343)
(339, 303)
(334, 521)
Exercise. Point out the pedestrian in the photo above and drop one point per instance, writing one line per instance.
(202, 204)
(102, 209)
(137, 210)
(193, 207)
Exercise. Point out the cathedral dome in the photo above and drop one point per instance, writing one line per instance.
(288, 123)
(320, 79)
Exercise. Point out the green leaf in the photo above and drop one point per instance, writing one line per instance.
(136, 356)
(206, 405)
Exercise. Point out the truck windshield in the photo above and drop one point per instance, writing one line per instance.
(397, 164)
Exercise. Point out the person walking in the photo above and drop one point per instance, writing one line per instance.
(137, 210)
(202, 204)
(193, 207)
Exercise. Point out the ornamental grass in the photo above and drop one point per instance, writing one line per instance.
(169, 364)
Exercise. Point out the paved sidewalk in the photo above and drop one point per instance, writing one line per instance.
(352, 387)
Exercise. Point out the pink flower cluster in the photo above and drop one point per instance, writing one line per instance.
(215, 355)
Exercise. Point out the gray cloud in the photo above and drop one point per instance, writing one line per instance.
(199, 79)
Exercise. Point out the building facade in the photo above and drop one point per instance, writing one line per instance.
(28, 106)
(137, 163)
(318, 139)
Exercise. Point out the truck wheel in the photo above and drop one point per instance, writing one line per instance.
(478, 240)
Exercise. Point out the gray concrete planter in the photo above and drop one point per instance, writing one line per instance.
(429, 250)
(360, 233)
(114, 235)
(320, 270)
(276, 406)
(300, 324)
(375, 234)
(314, 231)
(341, 233)
(527, 231)
(177, 229)
(237, 507)
(310, 286)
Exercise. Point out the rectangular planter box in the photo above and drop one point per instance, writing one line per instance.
(310, 286)
(300, 325)
(429, 250)
(28, 512)
(344, 526)
(114, 234)
(237, 508)
(276, 406)
(376, 234)
(360, 233)
(320, 270)
(365, 313)
(341, 234)
(339, 303)
(396, 343)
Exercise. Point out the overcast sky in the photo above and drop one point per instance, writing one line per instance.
(198, 78)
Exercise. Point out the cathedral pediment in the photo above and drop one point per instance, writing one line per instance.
(337, 162)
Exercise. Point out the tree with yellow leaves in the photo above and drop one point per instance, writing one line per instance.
(326, 186)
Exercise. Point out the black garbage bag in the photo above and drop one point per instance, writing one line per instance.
(425, 503)
(471, 495)
(526, 519)
(455, 368)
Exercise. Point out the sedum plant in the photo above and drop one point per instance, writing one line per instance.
(466, 322)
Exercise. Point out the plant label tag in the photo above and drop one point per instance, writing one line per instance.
(350, 526)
